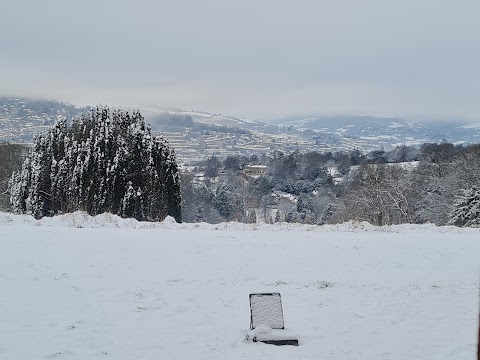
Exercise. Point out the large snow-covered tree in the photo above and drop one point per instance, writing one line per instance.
(106, 161)
(466, 209)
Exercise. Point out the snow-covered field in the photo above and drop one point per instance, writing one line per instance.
(76, 287)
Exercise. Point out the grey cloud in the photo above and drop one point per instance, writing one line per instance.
(255, 58)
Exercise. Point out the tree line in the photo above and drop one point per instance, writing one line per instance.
(434, 183)
(108, 161)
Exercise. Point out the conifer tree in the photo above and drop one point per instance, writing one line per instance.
(106, 161)
(466, 209)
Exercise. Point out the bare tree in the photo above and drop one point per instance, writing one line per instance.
(380, 194)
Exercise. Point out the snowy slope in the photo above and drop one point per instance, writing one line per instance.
(76, 287)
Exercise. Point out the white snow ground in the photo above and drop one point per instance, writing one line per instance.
(76, 287)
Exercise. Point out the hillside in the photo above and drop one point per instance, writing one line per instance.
(387, 132)
(197, 135)
(21, 118)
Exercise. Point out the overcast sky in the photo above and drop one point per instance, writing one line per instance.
(252, 58)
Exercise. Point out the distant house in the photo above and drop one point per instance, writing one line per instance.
(256, 170)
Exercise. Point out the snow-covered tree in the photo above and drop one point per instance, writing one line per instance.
(229, 202)
(327, 214)
(380, 194)
(11, 159)
(466, 211)
(251, 217)
(106, 161)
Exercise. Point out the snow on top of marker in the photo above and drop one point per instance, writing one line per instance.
(266, 310)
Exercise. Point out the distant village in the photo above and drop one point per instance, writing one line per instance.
(192, 148)
(20, 119)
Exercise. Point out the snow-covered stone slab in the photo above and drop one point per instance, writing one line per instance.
(266, 320)
(266, 309)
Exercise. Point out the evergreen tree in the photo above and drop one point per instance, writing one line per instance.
(11, 159)
(466, 211)
(327, 214)
(105, 162)
(229, 203)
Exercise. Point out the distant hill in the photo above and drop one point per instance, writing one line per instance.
(386, 131)
(182, 118)
(20, 118)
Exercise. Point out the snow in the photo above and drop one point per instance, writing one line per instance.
(259, 330)
(266, 333)
(472, 126)
(196, 113)
(81, 287)
(395, 125)
(288, 196)
(266, 310)
(379, 137)
(407, 165)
